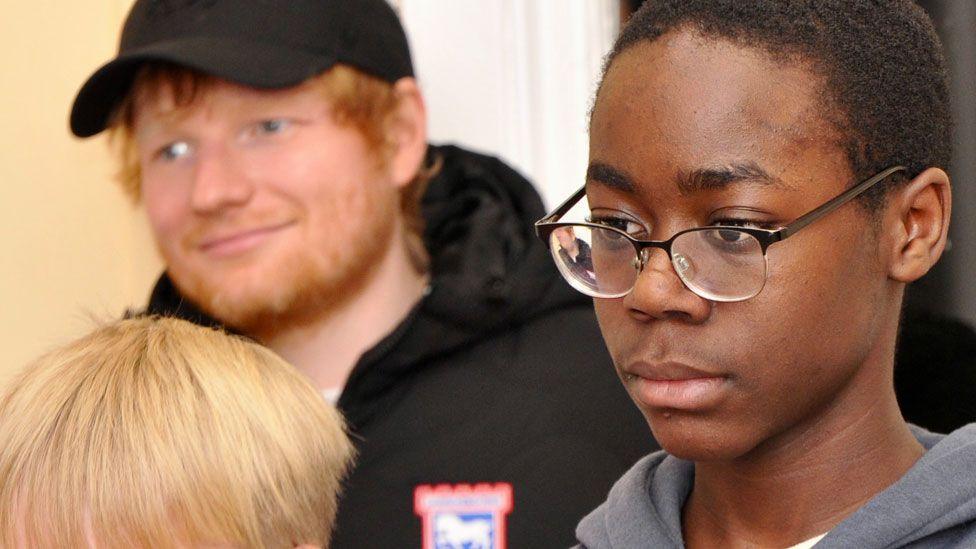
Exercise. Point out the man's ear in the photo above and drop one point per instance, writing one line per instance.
(408, 132)
(917, 220)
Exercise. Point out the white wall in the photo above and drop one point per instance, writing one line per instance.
(514, 78)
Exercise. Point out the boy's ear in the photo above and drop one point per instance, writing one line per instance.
(408, 132)
(916, 219)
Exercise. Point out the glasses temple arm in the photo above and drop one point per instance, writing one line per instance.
(836, 202)
(564, 207)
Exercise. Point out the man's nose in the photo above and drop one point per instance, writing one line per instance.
(219, 181)
(659, 294)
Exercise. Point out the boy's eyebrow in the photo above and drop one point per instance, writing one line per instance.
(691, 181)
(605, 174)
(721, 177)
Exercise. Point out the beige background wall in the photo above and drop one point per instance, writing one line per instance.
(74, 246)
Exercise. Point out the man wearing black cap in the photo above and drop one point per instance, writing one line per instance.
(280, 150)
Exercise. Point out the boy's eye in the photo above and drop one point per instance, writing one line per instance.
(738, 222)
(730, 236)
(622, 224)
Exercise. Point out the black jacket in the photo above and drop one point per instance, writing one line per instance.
(499, 375)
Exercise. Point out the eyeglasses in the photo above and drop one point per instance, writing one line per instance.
(718, 263)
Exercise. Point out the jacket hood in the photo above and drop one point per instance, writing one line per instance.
(488, 267)
(932, 505)
(643, 508)
(489, 274)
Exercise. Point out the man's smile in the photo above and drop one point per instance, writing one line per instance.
(230, 243)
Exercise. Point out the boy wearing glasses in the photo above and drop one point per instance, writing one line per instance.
(279, 147)
(765, 178)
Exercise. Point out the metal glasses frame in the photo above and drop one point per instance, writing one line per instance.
(766, 237)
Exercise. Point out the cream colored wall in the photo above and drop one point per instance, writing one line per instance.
(74, 247)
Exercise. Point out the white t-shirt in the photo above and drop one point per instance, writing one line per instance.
(808, 543)
(331, 394)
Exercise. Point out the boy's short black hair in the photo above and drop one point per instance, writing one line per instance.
(882, 61)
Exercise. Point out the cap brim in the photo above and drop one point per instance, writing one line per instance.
(259, 66)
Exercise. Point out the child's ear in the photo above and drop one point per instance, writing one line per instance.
(916, 219)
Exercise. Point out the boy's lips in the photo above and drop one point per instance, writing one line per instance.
(672, 385)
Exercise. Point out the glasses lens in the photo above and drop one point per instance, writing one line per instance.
(720, 264)
(597, 262)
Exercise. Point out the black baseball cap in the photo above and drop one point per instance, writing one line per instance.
(257, 43)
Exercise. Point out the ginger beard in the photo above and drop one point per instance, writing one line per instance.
(304, 279)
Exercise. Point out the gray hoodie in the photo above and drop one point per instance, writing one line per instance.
(933, 505)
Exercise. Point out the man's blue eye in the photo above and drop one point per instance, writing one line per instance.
(274, 125)
(174, 151)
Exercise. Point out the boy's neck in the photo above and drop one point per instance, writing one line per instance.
(801, 483)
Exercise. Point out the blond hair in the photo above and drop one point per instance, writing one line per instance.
(359, 100)
(154, 432)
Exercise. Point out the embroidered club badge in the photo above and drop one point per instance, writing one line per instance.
(463, 516)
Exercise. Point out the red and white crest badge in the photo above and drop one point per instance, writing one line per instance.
(463, 516)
